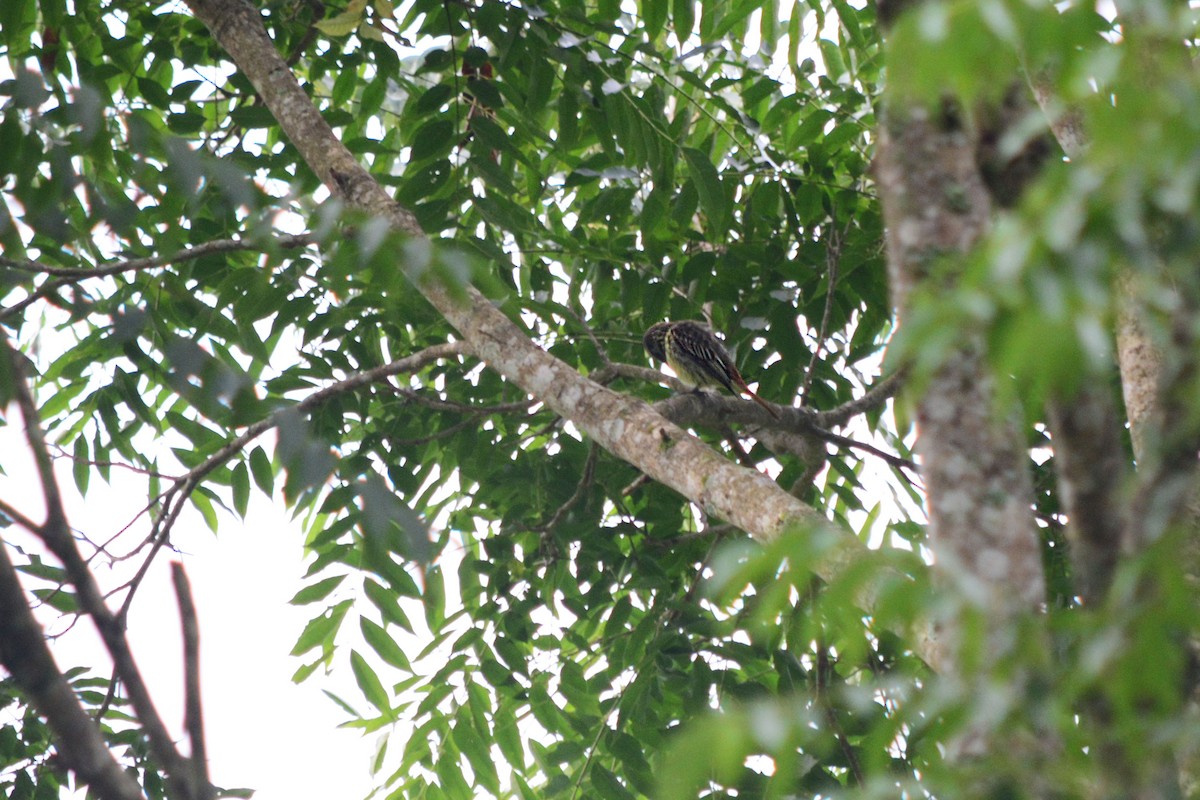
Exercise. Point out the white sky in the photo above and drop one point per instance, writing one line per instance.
(263, 731)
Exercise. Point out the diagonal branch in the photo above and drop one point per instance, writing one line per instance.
(874, 398)
(56, 535)
(626, 427)
(174, 498)
(26, 656)
(215, 247)
(66, 276)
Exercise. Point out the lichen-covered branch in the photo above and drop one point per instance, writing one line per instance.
(936, 208)
(622, 425)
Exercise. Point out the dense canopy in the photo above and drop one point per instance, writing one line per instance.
(391, 265)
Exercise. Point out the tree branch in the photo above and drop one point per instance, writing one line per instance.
(874, 398)
(624, 426)
(26, 656)
(19, 518)
(193, 719)
(56, 535)
(66, 276)
(215, 247)
(713, 410)
(173, 499)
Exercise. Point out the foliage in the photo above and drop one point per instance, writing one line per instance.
(524, 614)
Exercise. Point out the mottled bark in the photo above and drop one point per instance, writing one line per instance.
(1141, 363)
(980, 499)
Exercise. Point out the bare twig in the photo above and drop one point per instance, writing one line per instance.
(19, 518)
(635, 484)
(735, 445)
(441, 404)
(103, 546)
(589, 471)
(26, 656)
(713, 410)
(823, 671)
(56, 535)
(66, 276)
(173, 499)
(709, 532)
(46, 289)
(600, 351)
(193, 719)
(433, 437)
(846, 441)
(61, 452)
(833, 258)
(874, 398)
(215, 247)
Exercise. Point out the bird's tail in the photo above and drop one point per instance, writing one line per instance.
(741, 384)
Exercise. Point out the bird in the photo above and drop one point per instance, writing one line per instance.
(698, 357)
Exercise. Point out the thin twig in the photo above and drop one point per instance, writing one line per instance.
(173, 499)
(113, 682)
(66, 276)
(442, 404)
(600, 351)
(61, 452)
(635, 484)
(193, 717)
(833, 257)
(103, 547)
(846, 441)
(19, 518)
(216, 246)
(735, 444)
(589, 470)
(874, 398)
(46, 289)
(824, 668)
(56, 535)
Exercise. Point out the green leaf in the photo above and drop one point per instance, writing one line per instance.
(708, 185)
(607, 785)
(386, 602)
(435, 598)
(369, 684)
(240, 483)
(390, 526)
(261, 469)
(81, 468)
(508, 737)
(383, 644)
(654, 14)
(346, 22)
(60, 599)
(469, 741)
(204, 505)
(435, 137)
(317, 591)
(683, 15)
(319, 632)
